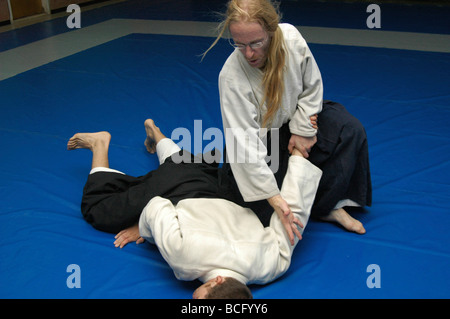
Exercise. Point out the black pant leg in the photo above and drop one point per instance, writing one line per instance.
(113, 201)
(341, 152)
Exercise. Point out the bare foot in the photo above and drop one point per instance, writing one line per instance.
(154, 135)
(89, 140)
(341, 217)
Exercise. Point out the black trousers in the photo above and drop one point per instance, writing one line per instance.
(341, 152)
(112, 201)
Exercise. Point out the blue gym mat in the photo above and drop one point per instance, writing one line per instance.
(401, 97)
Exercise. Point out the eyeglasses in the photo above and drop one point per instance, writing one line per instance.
(253, 45)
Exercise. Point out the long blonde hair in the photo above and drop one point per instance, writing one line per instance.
(264, 12)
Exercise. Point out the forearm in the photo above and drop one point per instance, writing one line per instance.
(300, 123)
(300, 186)
(246, 154)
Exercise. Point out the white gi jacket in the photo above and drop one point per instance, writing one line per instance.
(204, 238)
(241, 92)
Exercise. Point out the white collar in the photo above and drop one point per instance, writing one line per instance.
(224, 273)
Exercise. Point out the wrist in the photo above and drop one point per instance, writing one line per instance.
(296, 152)
(274, 200)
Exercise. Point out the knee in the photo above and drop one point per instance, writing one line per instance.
(356, 128)
(98, 217)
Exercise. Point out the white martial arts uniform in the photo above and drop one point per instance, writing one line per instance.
(241, 92)
(204, 238)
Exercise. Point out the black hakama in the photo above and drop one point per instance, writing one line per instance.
(341, 152)
(112, 201)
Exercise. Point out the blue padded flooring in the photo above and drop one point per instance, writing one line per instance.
(400, 96)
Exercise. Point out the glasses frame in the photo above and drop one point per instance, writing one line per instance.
(254, 45)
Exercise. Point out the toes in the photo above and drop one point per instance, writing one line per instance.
(359, 229)
(355, 226)
(72, 143)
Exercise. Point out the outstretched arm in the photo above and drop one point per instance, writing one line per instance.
(279, 204)
(299, 189)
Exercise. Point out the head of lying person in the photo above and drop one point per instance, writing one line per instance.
(222, 288)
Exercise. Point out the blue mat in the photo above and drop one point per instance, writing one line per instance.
(401, 97)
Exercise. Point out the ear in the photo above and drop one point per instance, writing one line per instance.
(218, 280)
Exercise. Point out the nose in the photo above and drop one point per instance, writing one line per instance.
(248, 52)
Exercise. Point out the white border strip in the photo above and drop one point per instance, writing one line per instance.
(378, 39)
(36, 54)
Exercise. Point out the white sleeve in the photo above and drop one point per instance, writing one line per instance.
(310, 100)
(159, 224)
(165, 148)
(246, 151)
(299, 190)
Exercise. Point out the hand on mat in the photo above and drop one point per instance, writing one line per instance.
(303, 144)
(128, 235)
(286, 216)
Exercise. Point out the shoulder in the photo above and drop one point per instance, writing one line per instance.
(293, 39)
(292, 35)
(290, 32)
(231, 69)
(234, 76)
